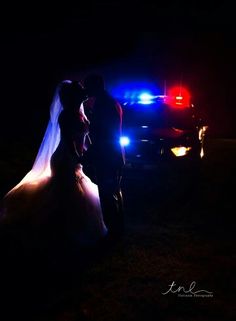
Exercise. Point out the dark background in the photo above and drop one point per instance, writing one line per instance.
(185, 232)
(194, 42)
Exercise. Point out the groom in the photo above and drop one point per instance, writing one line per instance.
(105, 154)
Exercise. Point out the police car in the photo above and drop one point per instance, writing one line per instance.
(161, 129)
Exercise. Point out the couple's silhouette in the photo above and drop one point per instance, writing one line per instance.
(74, 185)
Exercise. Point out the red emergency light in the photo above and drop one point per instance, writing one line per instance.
(178, 97)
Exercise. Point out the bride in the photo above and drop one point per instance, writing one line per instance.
(56, 192)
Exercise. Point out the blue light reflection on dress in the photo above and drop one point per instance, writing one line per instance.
(41, 168)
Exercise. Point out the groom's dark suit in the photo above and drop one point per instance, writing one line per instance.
(107, 158)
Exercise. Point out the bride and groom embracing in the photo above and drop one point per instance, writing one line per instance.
(75, 179)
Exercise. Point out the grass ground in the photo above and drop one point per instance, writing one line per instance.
(185, 234)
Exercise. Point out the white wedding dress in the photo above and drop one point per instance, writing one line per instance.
(56, 192)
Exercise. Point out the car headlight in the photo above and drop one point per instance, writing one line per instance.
(180, 151)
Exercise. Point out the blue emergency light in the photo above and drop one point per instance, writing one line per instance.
(124, 141)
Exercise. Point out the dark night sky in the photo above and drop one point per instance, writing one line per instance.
(39, 49)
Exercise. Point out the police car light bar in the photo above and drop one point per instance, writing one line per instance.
(145, 94)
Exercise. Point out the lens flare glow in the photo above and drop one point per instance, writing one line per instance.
(124, 141)
(146, 99)
(178, 97)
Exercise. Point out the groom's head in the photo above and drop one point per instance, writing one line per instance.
(94, 85)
